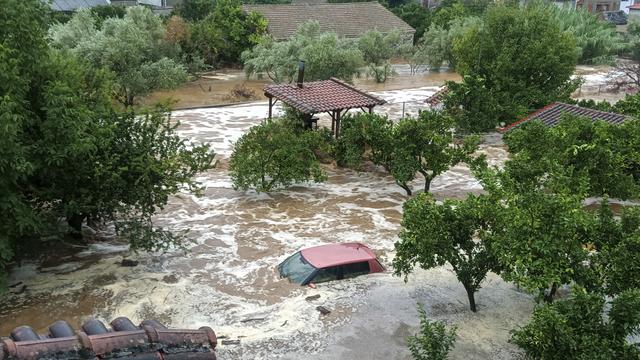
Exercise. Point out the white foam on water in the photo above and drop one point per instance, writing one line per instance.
(239, 238)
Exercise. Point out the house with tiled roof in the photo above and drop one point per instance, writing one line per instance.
(349, 20)
(551, 115)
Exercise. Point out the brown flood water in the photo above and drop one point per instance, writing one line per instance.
(238, 238)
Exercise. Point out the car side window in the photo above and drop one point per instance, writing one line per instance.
(355, 269)
(326, 274)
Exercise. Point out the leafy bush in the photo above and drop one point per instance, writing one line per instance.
(576, 329)
(273, 155)
(433, 340)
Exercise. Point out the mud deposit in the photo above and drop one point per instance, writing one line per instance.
(228, 280)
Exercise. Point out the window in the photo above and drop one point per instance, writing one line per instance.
(355, 269)
(327, 274)
(296, 268)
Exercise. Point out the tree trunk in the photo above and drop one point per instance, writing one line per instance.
(471, 295)
(548, 297)
(75, 223)
(427, 183)
(406, 188)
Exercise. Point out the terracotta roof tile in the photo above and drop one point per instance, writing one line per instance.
(322, 96)
(436, 98)
(345, 19)
(551, 115)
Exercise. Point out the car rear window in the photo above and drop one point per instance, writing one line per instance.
(296, 268)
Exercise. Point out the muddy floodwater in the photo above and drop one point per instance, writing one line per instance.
(227, 279)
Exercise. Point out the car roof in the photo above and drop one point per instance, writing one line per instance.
(335, 254)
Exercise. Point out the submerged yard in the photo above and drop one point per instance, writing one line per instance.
(228, 280)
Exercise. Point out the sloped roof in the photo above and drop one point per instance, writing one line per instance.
(322, 96)
(437, 97)
(73, 5)
(551, 115)
(345, 19)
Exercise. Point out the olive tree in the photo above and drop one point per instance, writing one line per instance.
(454, 232)
(132, 47)
(274, 155)
(326, 55)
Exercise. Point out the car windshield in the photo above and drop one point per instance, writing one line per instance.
(296, 268)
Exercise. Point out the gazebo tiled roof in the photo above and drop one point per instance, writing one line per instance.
(322, 96)
(551, 115)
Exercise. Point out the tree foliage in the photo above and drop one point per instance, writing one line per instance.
(603, 154)
(326, 55)
(454, 232)
(194, 10)
(416, 15)
(519, 58)
(433, 340)
(133, 48)
(597, 40)
(67, 155)
(576, 329)
(222, 36)
(274, 155)
(415, 145)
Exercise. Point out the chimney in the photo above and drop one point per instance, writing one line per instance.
(300, 73)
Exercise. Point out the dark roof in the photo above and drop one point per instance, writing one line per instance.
(345, 19)
(73, 5)
(551, 115)
(436, 98)
(321, 96)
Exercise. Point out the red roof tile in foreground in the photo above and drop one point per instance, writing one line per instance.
(336, 254)
(322, 96)
(551, 115)
(634, 7)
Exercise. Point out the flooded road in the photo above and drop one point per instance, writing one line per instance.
(227, 279)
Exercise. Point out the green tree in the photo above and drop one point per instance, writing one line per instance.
(194, 10)
(433, 340)
(67, 154)
(21, 22)
(229, 31)
(274, 155)
(133, 48)
(521, 57)
(422, 145)
(416, 15)
(602, 153)
(438, 41)
(102, 12)
(597, 41)
(326, 56)
(453, 232)
(576, 329)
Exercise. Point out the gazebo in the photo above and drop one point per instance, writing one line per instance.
(331, 96)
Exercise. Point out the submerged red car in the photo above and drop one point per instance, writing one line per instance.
(329, 262)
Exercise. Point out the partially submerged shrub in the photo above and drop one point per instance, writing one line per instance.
(433, 340)
(274, 155)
